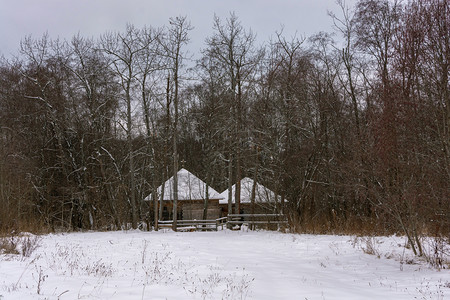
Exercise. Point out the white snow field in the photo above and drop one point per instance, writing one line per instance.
(218, 265)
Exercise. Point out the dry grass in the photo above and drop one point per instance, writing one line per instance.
(19, 244)
(9, 245)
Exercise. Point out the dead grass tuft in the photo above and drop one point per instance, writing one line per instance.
(23, 244)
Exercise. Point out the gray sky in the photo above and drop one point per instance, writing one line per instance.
(65, 18)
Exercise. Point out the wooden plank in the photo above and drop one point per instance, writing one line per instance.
(207, 228)
(257, 222)
(256, 215)
(165, 225)
(186, 228)
(165, 222)
(196, 221)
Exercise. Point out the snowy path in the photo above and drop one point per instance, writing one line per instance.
(215, 265)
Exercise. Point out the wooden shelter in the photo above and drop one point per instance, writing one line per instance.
(265, 200)
(191, 198)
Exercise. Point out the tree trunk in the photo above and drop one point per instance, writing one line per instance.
(161, 201)
(131, 163)
(205, 209)
(175, 149)
(230, 186)
(255, 179)
(206, 200)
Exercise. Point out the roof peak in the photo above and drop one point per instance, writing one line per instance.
(190, 187)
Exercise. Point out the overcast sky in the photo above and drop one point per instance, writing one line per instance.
(66, 18)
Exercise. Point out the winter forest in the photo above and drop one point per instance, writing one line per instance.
(350, 127)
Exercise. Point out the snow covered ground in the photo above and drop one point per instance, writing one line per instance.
(218, 265)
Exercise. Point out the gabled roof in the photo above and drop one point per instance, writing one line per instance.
(190, 187)
(262, 194)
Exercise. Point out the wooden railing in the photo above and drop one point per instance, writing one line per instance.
(258, 220)
(253, 220)
(194, 225)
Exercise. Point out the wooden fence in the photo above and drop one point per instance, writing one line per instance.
(268, 221)
(195, 225)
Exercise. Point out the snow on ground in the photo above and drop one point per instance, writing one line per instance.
(218, 265)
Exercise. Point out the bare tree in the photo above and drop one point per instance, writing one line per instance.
(234, 50)
(150, 66)
(123, 50)
(174, 41)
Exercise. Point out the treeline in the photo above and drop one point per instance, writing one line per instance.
(355, 135)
